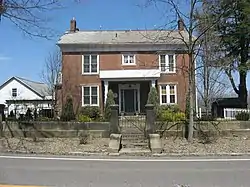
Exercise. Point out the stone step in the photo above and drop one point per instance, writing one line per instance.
(126, 144)
(129, 137)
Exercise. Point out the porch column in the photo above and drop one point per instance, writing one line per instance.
(106, 87)
(153, 83)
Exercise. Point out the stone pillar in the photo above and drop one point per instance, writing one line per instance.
(153, 83)
(106, 87)
(114, 120)
(150, 119)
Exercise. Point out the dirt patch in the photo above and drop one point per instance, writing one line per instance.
(53, 145)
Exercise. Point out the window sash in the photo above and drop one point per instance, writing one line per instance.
(14, 92)
(168, 94)
(128, 59)
(167, 63)
(90, 63)
(90, 95)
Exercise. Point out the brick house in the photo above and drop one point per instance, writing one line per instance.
(128, 62)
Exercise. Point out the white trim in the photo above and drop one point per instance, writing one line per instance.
(128, 87)
(130, 74)
(90, 59)
(98, 95)
(167, 63)
(168, 94)
(129, 55)
(106, 87)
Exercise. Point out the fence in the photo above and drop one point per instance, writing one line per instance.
(229, 113)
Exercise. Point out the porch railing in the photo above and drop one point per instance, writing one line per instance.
(230, 113)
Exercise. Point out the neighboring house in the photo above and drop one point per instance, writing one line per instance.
(19, 94)
(127, 62)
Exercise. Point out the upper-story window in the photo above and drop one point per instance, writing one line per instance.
(14, 92)
(128, 59)
(90, 64)
(168, 63)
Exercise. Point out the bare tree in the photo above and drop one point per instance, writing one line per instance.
(31, 16)
(188, 13)
(51, 73)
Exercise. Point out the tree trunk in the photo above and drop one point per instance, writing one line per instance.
(191, 98)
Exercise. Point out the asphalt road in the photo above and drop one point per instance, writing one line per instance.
(79, 172)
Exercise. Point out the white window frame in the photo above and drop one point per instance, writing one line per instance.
(168, 94)
(98, 62)
(12, 92)
(167, 63)
(129, 55)
(90, 90)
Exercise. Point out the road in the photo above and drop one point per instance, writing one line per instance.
(95, 172)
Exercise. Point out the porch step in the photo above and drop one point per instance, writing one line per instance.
(133, 137)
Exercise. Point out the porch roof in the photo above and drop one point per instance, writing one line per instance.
(130, 74)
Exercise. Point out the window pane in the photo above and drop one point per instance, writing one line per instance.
(86, 100)
(125, 59)
(14, 92)
(93, 68)
(164, 99)
(172, 98)
(93, 63)
(93, 59)
(163, 63)
(172, 90)
(94, 100)
(86, 91)
(94, 91)
(171, 62)
(86, 59)
(163, 90)
(86, 68)
(131, 59)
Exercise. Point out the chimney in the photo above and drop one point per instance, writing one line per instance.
(73, 25)
(180, 24)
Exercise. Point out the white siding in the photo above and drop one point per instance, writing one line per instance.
(22, 92)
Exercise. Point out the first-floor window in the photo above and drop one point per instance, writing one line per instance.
(168, 94)
(90, 95)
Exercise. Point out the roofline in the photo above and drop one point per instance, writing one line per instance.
(21, 82)
(132, 47)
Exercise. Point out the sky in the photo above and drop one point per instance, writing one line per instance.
(24, 56)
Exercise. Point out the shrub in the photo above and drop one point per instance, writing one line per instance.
(83, 118)
(207, 118)
(171, 116)
(242, 116)
(67, 110)
(153, 99)
(110, 101)
(92, 112)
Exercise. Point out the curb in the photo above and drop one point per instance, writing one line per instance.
(142, 154)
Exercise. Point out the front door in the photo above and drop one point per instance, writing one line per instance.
(129, 101)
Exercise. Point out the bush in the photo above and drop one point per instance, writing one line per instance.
(83, 118)
(84, 137)
(110, 101)
(207, 118)
(92, 112)
(242, 116)
(171, 116)
(68, 110)
(153, 99)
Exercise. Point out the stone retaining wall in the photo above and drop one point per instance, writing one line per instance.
(55, 129)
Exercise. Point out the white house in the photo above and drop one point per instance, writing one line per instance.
(19, 94)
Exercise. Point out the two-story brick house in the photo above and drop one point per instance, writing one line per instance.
(128, 62)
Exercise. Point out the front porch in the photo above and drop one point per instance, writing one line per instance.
(130, 95)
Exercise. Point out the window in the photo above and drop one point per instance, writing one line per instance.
(90, 95)
(90, 64)
(167, 63)
(168, 94)
(128, 59)
(14, 92)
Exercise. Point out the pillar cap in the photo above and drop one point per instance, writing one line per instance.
(149, 106)
(114, 107)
